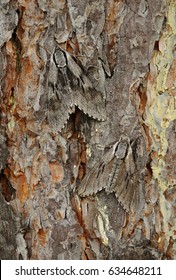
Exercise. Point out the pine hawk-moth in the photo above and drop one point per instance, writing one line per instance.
(69, 86)
(121, 172)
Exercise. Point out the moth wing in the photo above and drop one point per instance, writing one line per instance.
(138, 199)
(130, 193)
(91, 102)
(58, 110)
(97, 178)
(125, 185)
(58, 101)
(120, 184)
(73, 66)
(86, 187)
(78, 72)
(127, 194)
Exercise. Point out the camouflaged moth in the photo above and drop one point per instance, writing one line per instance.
(68, 86)
(118, 172)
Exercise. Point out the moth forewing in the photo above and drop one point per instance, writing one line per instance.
(125, 198)
(138, 199)
(97, 178)
(73, 66)
(58, 110)
(91, 103)
(129, 161)
(52, 75)
(119, 182)
(86, 187)
(86, 83)
(103, 176)
(127, 194)
(118, 170)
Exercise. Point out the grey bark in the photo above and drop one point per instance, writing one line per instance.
(74, 80)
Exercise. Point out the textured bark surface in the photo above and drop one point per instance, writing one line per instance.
(76, 76)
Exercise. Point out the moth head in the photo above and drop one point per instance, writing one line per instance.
(59, 58)
(121, 148)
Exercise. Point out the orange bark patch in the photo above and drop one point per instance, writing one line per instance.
(143, 100)
(169, 251)
(19, 182)
(11, 74)
(154, 155)
(27, 67)
(42, 236)
(57, 172)
(161, 242)
(149, 139)
(27, 83)
(22, 188)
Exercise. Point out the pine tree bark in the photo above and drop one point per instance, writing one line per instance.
(77, 76)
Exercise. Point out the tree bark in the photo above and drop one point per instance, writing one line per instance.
(77, 78)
